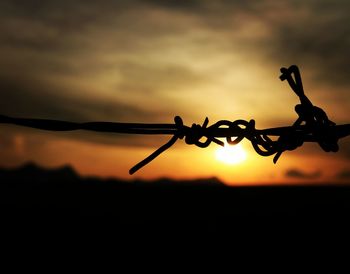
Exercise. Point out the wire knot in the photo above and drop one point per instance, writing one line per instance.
(196, 132)
(320, 125)
(192, 134)
(316, 121)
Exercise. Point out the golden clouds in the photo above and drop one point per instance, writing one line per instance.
(148, 61)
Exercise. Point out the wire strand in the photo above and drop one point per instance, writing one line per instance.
(312, 125)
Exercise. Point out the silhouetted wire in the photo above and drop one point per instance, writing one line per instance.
(312, 125)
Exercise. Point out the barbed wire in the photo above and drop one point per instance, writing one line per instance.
(312, 125)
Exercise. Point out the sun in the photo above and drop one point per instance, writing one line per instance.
(231, 155)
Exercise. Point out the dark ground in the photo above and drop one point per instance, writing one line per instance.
(31, 191)
(58, 206)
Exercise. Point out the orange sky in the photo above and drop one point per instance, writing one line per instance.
(147, 61)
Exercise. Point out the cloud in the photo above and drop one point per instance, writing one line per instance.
(179, 4)
(312, 34)
(344, 148)
(344, 174)
(299, 174)
(42, 100)
(28, 98)
(148, 60)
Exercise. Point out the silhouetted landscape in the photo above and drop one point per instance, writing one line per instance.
(57, 209)
(32, 191)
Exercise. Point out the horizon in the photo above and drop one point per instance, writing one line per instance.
(211, 180)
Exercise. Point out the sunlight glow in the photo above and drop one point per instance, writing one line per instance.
(231, 155)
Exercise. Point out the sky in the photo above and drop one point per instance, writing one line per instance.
(150, 60)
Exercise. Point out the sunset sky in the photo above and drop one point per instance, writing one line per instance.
(148, 61)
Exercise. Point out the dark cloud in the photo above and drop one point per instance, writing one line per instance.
(310, 33)
(179, 4)
(344, 174)
(28, 98)
(344, 150)
(299, 174)
(313, 34)
(50, 25)
(7, 141)
(313, 149)
(39, 99)
(153, 77)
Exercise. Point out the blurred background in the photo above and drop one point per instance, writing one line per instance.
(149, 60)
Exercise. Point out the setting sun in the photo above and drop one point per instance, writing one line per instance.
(231, 155)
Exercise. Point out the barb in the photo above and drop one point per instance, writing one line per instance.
(312, 125)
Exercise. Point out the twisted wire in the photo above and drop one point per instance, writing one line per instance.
(234, 132)
(312, 125)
